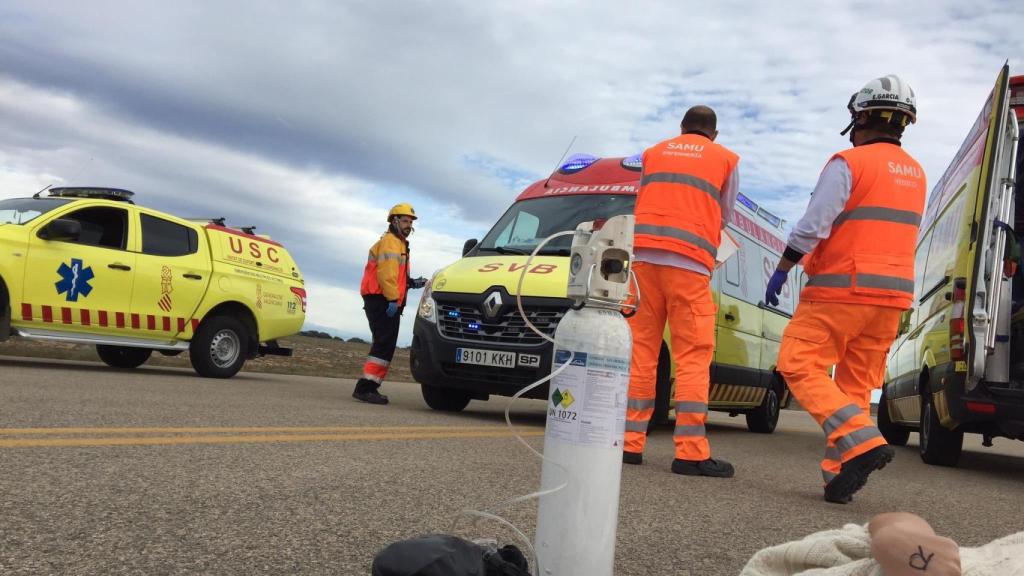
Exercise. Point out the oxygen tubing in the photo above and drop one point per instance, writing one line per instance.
(491, 514)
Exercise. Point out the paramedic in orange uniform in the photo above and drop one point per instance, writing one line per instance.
(687, 192)
(858, 235)
(385, 284)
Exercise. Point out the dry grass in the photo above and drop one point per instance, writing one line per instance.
(312, 357)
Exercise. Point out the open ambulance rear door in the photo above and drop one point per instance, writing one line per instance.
(987, 342)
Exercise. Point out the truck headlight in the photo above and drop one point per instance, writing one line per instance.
(427, 308)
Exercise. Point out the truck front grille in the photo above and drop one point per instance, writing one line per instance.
(460, 321)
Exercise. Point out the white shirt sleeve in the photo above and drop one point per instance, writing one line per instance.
(827, 201)
(730, 190)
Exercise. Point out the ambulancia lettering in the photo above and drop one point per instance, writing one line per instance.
(904, 170)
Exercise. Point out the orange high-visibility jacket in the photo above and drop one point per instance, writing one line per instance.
(387, 269)
(868, 257)
(678, 207)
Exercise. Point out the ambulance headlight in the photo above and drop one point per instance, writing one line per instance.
(427, 308)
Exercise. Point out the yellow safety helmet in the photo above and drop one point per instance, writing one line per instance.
(402, 209)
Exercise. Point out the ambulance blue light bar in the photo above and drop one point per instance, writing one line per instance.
(577, 162)
(772, 218)
(747, 202)
(453, 314)
(634, 162)
(473, 326)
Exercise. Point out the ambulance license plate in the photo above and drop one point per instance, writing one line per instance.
(485, 357)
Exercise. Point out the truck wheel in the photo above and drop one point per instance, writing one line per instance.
(765, 417)
(444, 399)
(939, 445)
(123, 356)
(893, 433)
(218, 348)
(662, 389)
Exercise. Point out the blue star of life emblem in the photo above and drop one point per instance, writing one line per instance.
(74, 280)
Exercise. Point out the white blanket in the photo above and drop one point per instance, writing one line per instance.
(847, 552)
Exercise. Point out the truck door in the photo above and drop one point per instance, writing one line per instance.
(80, 284)
(174, 271)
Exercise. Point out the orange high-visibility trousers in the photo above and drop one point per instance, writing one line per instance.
(855, 338)
(683, 298)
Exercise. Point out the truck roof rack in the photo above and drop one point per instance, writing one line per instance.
(93, 192)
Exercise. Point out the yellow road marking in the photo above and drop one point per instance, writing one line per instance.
(352, 434)
(243, 429)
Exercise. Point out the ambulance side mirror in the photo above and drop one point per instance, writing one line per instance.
(469, 245)
(63, 229)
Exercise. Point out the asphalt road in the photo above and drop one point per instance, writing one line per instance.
(161, 472)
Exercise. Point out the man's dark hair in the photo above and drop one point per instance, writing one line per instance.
(700, 119)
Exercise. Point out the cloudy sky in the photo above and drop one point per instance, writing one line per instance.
(309, 119)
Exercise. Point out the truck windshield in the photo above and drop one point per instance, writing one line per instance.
(22, 210)
(527, 223)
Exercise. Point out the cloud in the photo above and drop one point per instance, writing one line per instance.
(310, 119)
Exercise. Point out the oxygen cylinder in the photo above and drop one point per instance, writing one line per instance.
(586, 408)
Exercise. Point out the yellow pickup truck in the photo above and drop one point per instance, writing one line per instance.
(87, 265)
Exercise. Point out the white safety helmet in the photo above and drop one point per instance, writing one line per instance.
(883, 96)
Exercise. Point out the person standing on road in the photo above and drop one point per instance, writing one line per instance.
(687, 193)
(385, 284)
(860, 229)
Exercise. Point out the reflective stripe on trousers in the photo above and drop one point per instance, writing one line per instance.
(638, 415)
(375, 369)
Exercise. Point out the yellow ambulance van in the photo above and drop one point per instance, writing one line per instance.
(957, 365)
(469, 340)
(87, 265)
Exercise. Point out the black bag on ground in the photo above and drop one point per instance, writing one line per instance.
(444, 555)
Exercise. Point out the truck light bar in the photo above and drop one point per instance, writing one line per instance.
(92, 192)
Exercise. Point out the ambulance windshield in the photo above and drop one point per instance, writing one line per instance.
(22, 210)
(527, 223)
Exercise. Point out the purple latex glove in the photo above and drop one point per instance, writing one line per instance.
(771, 296)
(392, 309)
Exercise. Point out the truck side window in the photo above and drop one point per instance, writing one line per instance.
(164, 238)
(102, 227)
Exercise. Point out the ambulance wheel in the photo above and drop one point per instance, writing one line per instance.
(765, 417)
(939, 445)
(218, 348)
(662, 390)
(444, 399)
(123, 356)
(893, 433)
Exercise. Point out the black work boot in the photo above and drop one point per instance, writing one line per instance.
(632, 457)
(366, 391)
(854, 474)
(710, 467)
